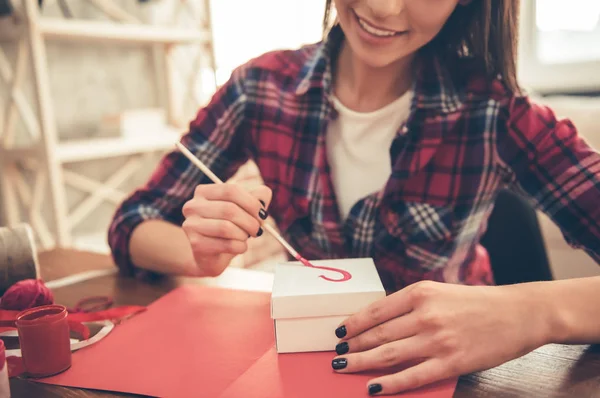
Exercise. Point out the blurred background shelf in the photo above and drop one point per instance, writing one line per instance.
(103, 148)
(37, 174)
(60, 29)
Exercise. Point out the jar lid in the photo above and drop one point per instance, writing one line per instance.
(41, 316)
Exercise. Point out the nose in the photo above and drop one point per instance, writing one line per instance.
(385, 8)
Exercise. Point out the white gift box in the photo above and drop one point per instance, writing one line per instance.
(306, 309)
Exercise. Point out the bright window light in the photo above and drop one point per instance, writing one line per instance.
(568, 15)
(568, 31)
(244, 29)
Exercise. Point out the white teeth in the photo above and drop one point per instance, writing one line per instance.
(374, 31)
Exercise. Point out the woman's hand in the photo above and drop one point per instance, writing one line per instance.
(219, 220)
(444, 330)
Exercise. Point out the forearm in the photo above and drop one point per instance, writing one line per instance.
(162, 247)
(571, 308)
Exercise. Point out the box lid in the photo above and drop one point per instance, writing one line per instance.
(299, 292)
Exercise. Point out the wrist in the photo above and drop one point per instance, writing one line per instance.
(549, 318)
(541, 313)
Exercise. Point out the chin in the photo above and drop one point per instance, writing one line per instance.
(379, 56)
(379, 59)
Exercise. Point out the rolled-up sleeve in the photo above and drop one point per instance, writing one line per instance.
(556, 168)
(217, 136)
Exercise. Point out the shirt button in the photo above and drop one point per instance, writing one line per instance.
(404, 130)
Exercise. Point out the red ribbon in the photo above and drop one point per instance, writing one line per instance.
(31, 293)
(75, 318)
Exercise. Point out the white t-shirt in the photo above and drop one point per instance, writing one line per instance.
(358, 149)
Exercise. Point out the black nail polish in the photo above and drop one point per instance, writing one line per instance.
(263, 214)
(260, 232)
(375, 389)
(341, 332)
(338, 364)
(342, 348)
(262, 202)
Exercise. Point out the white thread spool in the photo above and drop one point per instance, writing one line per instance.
(18, 256)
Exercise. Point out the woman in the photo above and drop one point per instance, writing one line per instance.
(390, 139)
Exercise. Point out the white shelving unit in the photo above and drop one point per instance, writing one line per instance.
(60, 29)
(46, 156)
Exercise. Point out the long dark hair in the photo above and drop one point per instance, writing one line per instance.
(485, 30)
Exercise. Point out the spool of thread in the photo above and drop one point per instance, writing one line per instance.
(18, 256)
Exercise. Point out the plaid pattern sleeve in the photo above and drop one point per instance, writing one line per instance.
(216, 136)
(557, 169)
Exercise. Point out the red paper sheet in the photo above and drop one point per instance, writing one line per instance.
(210, 342)
(310, 375)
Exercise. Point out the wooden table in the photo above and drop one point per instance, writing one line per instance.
(551, 371)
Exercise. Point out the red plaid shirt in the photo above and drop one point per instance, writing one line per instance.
(467, 137)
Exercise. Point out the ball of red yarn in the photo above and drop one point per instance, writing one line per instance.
(25, 294)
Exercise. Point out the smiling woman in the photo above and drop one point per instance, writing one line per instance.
(445, 30)
(390, 138)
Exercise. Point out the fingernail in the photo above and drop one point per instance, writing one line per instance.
(262, 202)
(375, 389)
(341, 332)
(263, 214)
(338, 364)
(260, 232)
(342, 348)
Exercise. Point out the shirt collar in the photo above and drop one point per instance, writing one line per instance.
(434, 88)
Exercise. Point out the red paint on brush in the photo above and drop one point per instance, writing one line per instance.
(345, 274)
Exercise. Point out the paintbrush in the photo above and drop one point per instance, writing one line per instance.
(198, 163)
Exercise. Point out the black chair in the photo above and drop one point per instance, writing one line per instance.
(515, 243)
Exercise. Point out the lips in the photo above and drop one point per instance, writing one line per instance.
(376, 30)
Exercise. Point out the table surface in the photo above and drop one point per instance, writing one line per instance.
(551, 371)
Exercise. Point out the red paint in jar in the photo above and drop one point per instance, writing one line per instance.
(44, 339)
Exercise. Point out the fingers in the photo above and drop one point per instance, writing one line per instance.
(382, 357)
(390, 307)
(235, 194)
(224, 211)
(220, 218)
(263, 194)
(223, 229)
(230, 202)
(396, 329)
(422, 374)
(209, 246)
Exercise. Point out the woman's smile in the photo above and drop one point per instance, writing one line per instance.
(374, 29)
(372, 34)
